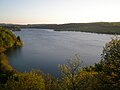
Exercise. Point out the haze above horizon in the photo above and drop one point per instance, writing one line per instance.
(58, 11)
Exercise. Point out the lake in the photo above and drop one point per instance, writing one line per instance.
(44, 49)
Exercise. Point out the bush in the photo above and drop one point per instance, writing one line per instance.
(109, 67)
(25, 81)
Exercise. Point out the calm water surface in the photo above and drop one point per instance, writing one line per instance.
(44, 49)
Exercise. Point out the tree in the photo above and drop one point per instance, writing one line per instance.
(111, 56)
(111, 64)
(70, 72)
(18, 38)
(24, 81)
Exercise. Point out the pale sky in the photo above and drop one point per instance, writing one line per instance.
(59, 11)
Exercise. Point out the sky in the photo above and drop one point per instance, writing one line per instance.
(59, 11)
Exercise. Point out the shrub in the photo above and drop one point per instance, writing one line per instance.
(25, 81)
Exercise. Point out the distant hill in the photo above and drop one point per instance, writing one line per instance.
(13, 27)
(96, 27)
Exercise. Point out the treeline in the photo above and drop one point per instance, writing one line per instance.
(96, 27)
(12, 27)
(104, 75)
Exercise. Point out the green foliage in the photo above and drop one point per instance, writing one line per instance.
(18, 38)
(2, 49)
(8, 39)
(4, 66)
(52, 83)
(99, 67)
(25, 81)
(108, 68)
(5, 69)
(70, 73)
(111, 64)
(111, 55)
(1, 28)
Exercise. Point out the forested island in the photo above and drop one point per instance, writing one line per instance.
(100, 76)
(95, 27)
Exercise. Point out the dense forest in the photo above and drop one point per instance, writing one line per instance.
(96, 27)
(104, 75)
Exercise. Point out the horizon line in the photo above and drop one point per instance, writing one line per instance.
(58, 23)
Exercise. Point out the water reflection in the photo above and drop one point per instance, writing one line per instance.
(13, 51)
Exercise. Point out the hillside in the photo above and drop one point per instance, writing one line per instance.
(96, 27)
(8, 39)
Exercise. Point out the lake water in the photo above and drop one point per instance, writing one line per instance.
(44, 49)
